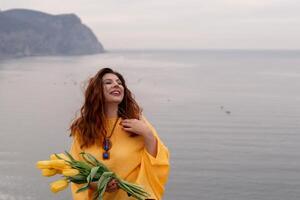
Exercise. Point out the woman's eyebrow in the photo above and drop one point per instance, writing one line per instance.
(109, 79)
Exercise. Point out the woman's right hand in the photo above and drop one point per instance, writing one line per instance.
(112, 186)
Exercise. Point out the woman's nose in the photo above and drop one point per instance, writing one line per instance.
(115, 84)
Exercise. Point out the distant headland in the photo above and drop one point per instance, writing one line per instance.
(33, 33)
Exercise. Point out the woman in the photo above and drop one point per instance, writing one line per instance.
(112, 128)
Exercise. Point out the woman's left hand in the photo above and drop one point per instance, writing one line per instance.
(137, 126)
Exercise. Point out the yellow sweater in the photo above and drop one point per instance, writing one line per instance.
(130, 160)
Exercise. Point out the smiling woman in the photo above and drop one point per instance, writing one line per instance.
(112, 94)
(112, 128)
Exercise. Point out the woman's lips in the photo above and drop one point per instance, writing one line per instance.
(115, 93)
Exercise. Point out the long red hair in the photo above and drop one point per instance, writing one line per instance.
(90, 124)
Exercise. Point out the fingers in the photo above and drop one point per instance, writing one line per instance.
(112, 189)
(129, 130)
(128, 121)
(112, 186)
(110, 183)
(125, 123)
(93, 186)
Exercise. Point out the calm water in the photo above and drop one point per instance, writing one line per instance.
(231, 119)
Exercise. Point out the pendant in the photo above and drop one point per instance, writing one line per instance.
(105, 155)
(106, 144)
(106, 147)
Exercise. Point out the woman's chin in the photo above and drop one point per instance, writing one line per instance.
(114, 101)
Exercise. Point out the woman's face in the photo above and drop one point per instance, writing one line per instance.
(113, 89)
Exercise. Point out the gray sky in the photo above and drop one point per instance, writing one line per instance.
(176, 24)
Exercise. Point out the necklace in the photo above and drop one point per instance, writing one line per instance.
(107, 142)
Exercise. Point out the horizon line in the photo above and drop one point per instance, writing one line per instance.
(198, 49)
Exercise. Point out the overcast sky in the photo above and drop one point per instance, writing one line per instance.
(177, 24)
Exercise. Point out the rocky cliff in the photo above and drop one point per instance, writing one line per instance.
(30, 33)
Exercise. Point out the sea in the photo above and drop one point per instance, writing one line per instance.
(230, 118)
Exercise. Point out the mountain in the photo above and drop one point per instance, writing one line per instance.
(31, 33)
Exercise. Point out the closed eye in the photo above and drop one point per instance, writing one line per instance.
(110, 82)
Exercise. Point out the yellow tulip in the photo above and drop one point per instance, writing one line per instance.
(67, 167)
(44, 164)
(49, 172)
(61, 155)
(58, 164)
(59, 185)
(70, 172)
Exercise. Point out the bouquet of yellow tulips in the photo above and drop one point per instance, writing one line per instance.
(85, 172)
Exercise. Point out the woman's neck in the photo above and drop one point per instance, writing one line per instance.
(111, 110)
